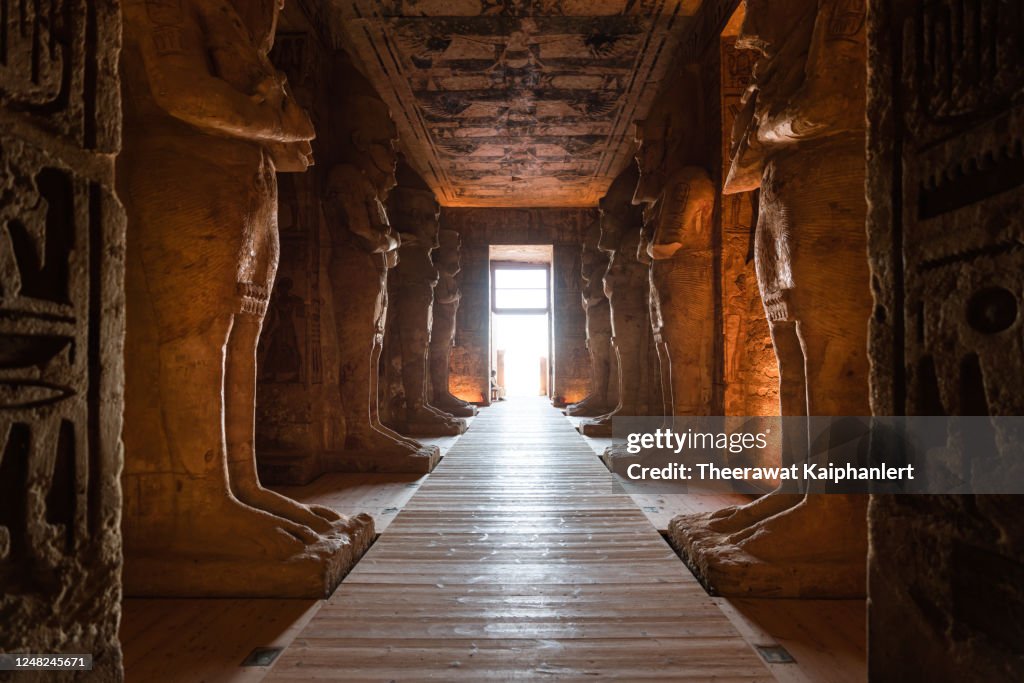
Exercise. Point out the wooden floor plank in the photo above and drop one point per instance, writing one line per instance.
(515, 560)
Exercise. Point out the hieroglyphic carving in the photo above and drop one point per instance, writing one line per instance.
(61, 325)
(945, 236)
(58, 64)
(750, 370)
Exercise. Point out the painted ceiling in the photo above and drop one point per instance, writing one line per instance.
(515, 102)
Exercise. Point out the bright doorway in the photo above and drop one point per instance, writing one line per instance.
(521, 320)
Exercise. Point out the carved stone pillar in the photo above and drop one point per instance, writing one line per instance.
(61, 331)
(626, 287)
(364, 249)
(414, 210)
(208, 121)
(442, 337)
(800, 139)
(680, 200)
(945, 236)
(603, 394)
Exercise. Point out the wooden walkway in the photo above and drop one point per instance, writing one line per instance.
(516, 560)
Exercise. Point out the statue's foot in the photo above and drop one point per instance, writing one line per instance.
(427, 422)
(696, 529)
(381, 442)
(381, 434)
(600, 426)
(213, 545)
(819, 527)
(378, 452)
(455, 407)
(588, 407)
(319, 518)
(815, 549)
(737, 517)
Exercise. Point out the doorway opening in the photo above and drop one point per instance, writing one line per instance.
(520, 321)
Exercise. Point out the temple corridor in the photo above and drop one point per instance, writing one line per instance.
(517, 559)
(512, 339)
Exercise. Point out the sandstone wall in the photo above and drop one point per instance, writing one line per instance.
(61, 333)
(945, 187)
(480, 228)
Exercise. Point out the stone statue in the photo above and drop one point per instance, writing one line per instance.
(208, 122)
(625, 285)
(442, 337)
(800, 139)
(679, 200)
(603, 394)
(415, 211)
(365, 247)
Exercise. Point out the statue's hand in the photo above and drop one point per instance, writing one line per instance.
(295, 121)
(270, 91)
(291, 157)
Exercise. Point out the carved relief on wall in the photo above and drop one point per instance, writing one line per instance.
(947, 334)
(516, 102)
(54, 450)
(61, 323)
(57, 66)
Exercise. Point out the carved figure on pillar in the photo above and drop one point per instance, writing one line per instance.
(625, 285)
(415, 211)
(603, 394)
(679, 200)
(442, 337)
(208, 122)
(365, 247)
(800, 139)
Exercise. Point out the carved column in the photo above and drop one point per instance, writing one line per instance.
(446, 307)
(750, 370)
(61, 331)
(945, 234)
(364, 249)
(800, 139)
(603, 394)
(680, 200)
(627, 290)
(414, 210)
(208, 121)
(298, 416)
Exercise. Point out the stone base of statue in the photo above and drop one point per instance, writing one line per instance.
(591, 406)
(617, 460)
(812, 550)
(600, 427)
(454, 406)
(312, 573)
(467, 410)
(421, 461)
